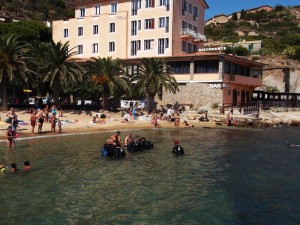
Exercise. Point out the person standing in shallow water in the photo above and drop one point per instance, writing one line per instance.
(33, 122)
(10, 137)
(53, 123)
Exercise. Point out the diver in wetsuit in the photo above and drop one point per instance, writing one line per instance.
(178, 149)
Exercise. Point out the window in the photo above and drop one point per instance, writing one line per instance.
(148, 44)
(66, 33)
(80, 31)
(190, 8)
(165, 3)
(161, 22)
(135, 46)
(95, 29)
(190, 48)
(167, 25)
(95, 48)
(195, 48)
(114, 7)
(97, 10)
(80, 49)
(150, 3)
(183, 46)
(82, 12)
(133, 28)
(162, 2)
(112, 27)
(149, 24)
(183, 7)
(163, 43)
(184, 24)
(135, 5)
(111, 46)
(139, 24)
(195, 29)
(195, 14)
(190, 26)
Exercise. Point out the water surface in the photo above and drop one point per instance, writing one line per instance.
(227, 176)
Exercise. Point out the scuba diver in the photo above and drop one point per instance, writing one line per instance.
(178, 149)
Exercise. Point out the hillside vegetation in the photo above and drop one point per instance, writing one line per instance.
(278, 29)
(41, 10)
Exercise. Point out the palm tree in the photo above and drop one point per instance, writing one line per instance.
(154, 75)
(54, 63)
(109, 74)
(12, 65)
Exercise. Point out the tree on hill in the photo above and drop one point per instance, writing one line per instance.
(28, 30)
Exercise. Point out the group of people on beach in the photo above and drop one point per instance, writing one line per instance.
(99, 119)
(170, 116)
(37, 118)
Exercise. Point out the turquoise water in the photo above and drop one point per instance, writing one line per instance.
(227, 176)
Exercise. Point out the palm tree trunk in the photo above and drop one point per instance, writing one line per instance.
(105, 101)
(55, 91)
(105, 95)
(150, 104)
(3, 86)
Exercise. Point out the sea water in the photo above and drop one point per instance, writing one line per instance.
(227, 176)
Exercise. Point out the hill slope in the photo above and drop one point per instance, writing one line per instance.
(278, 29)
(35, 9)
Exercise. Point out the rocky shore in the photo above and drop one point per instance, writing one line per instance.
(266, 118)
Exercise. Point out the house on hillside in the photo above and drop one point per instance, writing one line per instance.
(221, 46)
(257, 9)
(173, 30)
(218, 19)
(222, 18)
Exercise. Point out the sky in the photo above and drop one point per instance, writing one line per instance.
(217, 7)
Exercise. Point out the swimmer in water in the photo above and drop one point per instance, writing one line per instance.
(14, 168)
(27, 166)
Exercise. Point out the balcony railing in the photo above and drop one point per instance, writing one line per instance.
(193, 34)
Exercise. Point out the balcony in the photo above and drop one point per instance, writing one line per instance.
(187, 34)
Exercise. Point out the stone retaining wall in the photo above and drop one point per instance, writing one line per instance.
(199, 95)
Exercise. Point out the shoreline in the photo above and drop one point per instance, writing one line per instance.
(84, 126)
(113, 122)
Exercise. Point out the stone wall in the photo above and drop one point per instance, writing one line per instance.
(283, 80)
(200, 95)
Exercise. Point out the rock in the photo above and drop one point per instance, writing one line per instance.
(294, 123)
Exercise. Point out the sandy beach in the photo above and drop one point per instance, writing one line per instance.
(81, 121)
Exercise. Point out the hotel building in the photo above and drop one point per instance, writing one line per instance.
(172, 29)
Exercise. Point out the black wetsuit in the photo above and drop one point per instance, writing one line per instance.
(178, 149)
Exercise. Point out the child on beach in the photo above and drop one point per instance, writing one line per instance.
(53, 123)
(186, 124)
(59, 125)
(177, 120)
(10, 136)
(154, 121)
